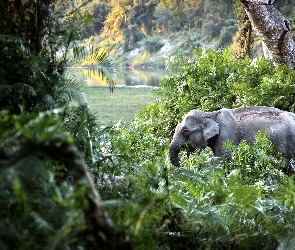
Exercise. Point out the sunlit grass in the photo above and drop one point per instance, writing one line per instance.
(123, 103)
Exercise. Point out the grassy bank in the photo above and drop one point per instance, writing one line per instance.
(123, 103)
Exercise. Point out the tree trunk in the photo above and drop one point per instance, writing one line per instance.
(273, 30)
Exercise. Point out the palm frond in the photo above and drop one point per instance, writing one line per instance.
(69, 89)
(8, 39)
(95, 57)
(21, 89)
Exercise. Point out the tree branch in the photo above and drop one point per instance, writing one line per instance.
(263, 2)
(273, 30)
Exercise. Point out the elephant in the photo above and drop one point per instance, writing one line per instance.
(200, 129)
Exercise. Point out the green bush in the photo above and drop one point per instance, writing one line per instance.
(218, 80)
(208, 203)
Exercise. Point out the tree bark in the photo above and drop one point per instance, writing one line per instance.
(273, 30)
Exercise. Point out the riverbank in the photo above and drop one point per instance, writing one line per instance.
(122, 104)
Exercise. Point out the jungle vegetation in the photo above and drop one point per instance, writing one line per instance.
(67, 182)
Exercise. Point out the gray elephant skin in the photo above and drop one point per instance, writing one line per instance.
(201, 129)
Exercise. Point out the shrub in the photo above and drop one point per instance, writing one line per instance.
(208, 203)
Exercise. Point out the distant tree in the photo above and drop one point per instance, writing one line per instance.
(163, 16)
(131, 36)
(225, 7)
(116, 20)
(142, 14)
(130, 12)
(226, 36)
(100, 13)
(212, 26)
(287, 7)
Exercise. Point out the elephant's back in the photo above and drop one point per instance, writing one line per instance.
(259, 117)
(257, 111)
(251, 120)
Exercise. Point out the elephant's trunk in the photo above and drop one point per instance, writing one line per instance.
(174, 150)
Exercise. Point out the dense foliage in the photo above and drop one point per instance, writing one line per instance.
(246, 203)
(56, 161)
(48, 199)
(155, 15)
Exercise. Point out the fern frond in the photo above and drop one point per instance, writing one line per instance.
(68, 89)
(16, 95)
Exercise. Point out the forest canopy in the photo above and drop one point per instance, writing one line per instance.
(125, 26)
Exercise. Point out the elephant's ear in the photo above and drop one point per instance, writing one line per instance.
(211, 128)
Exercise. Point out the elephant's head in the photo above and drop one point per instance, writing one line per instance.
(196, 129)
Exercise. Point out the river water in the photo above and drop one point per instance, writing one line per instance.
(122, 77)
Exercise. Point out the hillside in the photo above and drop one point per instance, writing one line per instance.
(153, 30)
(151, 51)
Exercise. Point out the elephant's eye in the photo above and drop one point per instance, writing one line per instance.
(185, 131)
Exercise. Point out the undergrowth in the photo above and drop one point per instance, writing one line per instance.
(208, 203)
